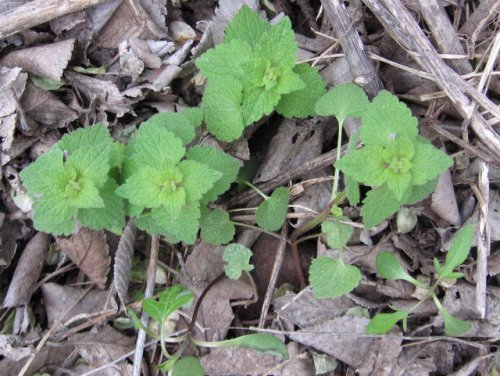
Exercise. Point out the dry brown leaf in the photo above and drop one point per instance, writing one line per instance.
(444, 202)
(103, 347)
(46, 108)
(90, 252)
(122, 268)
(58, 299)
(48, 60)
(27, 271)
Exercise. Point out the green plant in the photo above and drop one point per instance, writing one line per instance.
(74, 183)
(400, 166)
(389, 267)
(254, 72)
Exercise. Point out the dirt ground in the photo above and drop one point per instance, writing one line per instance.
(69, 302)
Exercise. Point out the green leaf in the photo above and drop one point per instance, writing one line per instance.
(197, 179)
(271, 213)
(288, 82)
(237, 259)
(188, 366)
(278, 45)
(111, 216)
(260, 342)
(386, 119)
(90, 70)
(337, 234)
(418, 192)
(378, 205)
(183, 227)
(427, 163)
(365, 165)
(388, 267)
(84, 195)
(381, 323)
(342, 101)
(38, 176)
(94, 136)
(454, 326)
(458, 251)
(54, 215)
(332, 278)
(218, 161)
(46, 83)
(217, 228)
(169, 301)
(224, 61)
(175, 122)
(156, 147)
(257, 103)
(91, 163)
(222, 107)
(301, 103)
(246, 26)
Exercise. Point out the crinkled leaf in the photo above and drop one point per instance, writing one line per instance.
(237, 259)
(222, 107)
(197, 179)
(91, 162)
(111, 216)
(169, 301)
(288, 82)
(301, 103)
(337, 234)
(217, 228)
(260, 342)
(175, 122)
(246, 26)
(342, 101)
(364, 165)
(256, 103)
(378, 205)
(184, 227)
(218, 161)
(94, 136)
(224, 61)
(188, 366)
(37, 177)
(418, 192)
(86, 196)
(332, 278)
(386, 118)
(278, 45)
(427, 163)
(271, 213)
(381, 323)
(53, 215)
(458, 251)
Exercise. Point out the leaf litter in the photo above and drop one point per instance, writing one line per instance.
(119, 63)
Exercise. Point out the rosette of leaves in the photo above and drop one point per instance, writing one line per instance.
(254, 72)
(74, 183)
(400, 165)
(167, 186)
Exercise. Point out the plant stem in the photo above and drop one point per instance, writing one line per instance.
(336, 175)
(262, 194)
(246, 225)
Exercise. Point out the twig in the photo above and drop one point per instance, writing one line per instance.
(278, 261)
(37, 12)
(150, 285)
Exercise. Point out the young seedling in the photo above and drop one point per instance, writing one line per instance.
(388, 267)
(254, 72)
(74, 184)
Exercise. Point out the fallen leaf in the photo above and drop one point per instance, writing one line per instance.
(122, 268)
(27, 271)
(90, 253)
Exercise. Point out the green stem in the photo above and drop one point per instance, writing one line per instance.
(336, 175)
(262, 194)
(246, 225)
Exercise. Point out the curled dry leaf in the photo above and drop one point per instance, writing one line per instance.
(90, 252)
(27, 271)
(122, 268)
(46, 61)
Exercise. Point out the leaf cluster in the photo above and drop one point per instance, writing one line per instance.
(389, 267)
(252, 73)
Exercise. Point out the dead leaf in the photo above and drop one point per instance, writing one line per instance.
(344, 338)
(58, 299)
(10, 233)
(12, 349)
(444, 202)
(103, 347)
(46, 108)
(493, 218)
(48, 60)
(27, 271)
(122, 268)
(90, 252)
